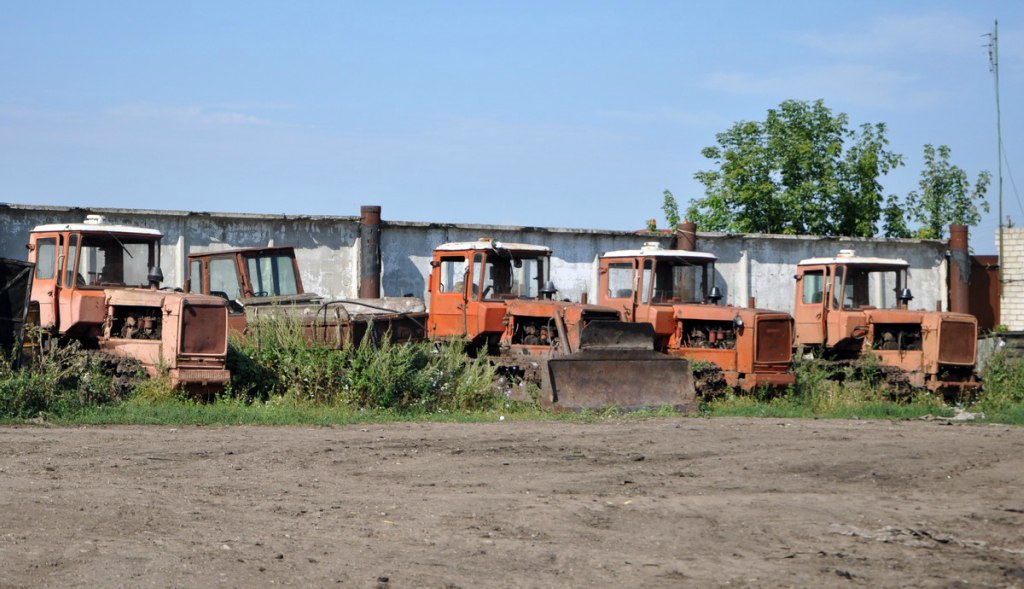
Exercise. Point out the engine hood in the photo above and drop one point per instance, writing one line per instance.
(911, 316)
(143, 297)
(547, 308)
(725, 312)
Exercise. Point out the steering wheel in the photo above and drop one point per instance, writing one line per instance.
(487, 289)
(261, 293)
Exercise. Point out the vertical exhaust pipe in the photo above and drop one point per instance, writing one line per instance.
(369, 252)
(959, 270)
(686, 236)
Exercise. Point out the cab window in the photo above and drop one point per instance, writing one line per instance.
(195, 273)
(46, 257)
(70, 276)
(453, 275)
(645, 283)
(837, 286)
(474, 271)
(224, 278)
(620, 280)
(272, 275)
(813, 287)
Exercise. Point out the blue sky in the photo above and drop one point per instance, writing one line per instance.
(563, 114)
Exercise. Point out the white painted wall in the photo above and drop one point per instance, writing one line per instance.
(327, 248)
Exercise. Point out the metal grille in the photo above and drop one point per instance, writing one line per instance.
(202, 375)
(774, 341)
(957, 342)
(204, 329)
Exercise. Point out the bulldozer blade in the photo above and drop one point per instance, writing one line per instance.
(627, 379)
(617, 335)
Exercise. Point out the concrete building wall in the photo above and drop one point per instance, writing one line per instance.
(327, 247)
(763, 266)
(1011, 304)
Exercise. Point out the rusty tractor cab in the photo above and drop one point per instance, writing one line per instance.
(849, 306)
(99, 284)
(498, 298)
(674, 292)
(264, 281)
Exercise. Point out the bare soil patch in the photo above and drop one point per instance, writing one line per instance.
(657, 503)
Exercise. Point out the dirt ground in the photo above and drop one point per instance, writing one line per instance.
(659, 503)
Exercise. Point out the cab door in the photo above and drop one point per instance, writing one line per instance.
(68, 278)
(811, 309)
(618, 286)
(643, 310)
(44, 254)
(834, 314)
(450, 281)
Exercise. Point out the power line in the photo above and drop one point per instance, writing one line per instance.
(1009, 172)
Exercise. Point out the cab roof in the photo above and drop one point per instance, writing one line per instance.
(269, 249)
(851, 258)
(488, 243)
(654, 250)
(97, 223)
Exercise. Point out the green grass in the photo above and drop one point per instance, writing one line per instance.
(281, 379)
(745, 406)
(222, 412)
(180, 412)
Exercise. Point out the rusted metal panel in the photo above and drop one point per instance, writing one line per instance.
(957, 342)
(773, 343)
(204, 329)
(984, 291)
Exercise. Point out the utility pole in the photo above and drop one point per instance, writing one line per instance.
(993, 60)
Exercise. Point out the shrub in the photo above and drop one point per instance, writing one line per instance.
(276, 359)
(59, 380)
(1003, 380)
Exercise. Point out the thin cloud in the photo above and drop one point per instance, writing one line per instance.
(188, 114)
(936, 33)
(659, 115)
(864, 85)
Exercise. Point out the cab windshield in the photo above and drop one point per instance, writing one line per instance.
(678, 280)
(869, 287)
(271, 275)
(514, 275)
(113, 260)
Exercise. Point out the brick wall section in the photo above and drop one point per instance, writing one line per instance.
(1011, 305)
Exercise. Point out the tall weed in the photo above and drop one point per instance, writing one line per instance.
(1003, 381)
(58, 380)
(277, 360)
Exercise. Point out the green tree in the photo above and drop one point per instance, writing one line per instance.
(946, 195)
(671, 209)
(894, 222)
(800, 171)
